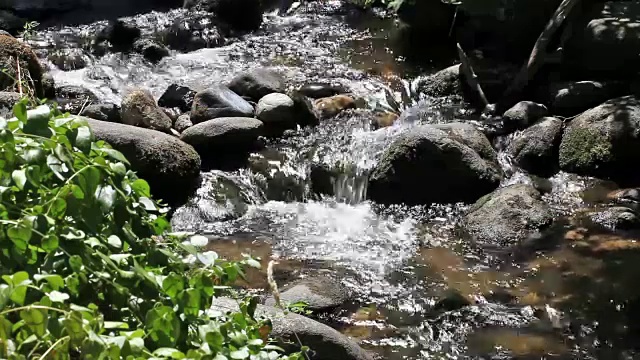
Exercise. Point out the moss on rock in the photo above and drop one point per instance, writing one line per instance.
(30, 69)
(584, 148)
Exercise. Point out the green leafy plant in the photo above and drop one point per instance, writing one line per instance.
(299, 307)
(88, 268)
(29, 30)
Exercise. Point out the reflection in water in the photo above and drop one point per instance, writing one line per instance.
(402, 263)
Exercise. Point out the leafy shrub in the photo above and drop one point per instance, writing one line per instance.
(87, 268)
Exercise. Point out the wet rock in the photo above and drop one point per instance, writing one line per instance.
(507, 217)
(224, 140)
(325, 342)
(443, 83)
(140, 109)
(322, 179)
(257, 84)
(522, 115)
(573, 97)
(332, 106)
(11, 23)
(427, 18)
(385, 119)
(216, 102)
(171, 166)
(536, 148)
(277, 112)
(625, 195)
(604, 141)
(436, 165)
(68, 59)
(192, 33)
(451, 301)
(321, 293)
(10, 50)
(241, 15)
(103, 112)
(177, 96)
(616, 218)
(305, 113)
(7, 101)
(183, 123)
(120, 35)
(172, 113)
(606, 45)
(151, 50)
(321, 90)
(73, 98)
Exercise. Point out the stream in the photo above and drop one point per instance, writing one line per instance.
(399, 262)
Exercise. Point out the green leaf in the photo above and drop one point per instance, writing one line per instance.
(20, 234)
(172, 285)
(19, 178)
(253, 263)
(141, 187)
(115, 154)
(20, 111)
(115, 325)
(163, 325)
(190, 302)
(114, 241)
(84, 139)
(240, 354)
(169, 353)
(89, 179)
(50, 243)
(56, 166)
(148, 204)
(199, 241)
(57, 296)
(75, 262)
(55, 281)
(118, 168)
(58, 208)
(35, 320)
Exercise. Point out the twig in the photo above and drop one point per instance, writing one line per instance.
(470, 75)
(536, 59)
(19, 77)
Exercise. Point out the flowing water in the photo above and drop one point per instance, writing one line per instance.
(574, 301)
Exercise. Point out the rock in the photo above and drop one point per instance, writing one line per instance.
(241, 15)
(103, 112)
(194, 32)
(257, 84)
(218, 198)
(321, 90)
(616, 218)
(224, 140)
(140, 109)
(321, 293)
(183, 123)
(73, 98)
(177, 96)
(606, 45)
(120, 35)
(10, 50)
(443, 83)
(332, 106)
(48, 86)
(604, 141)
(451, 301)
(536, 148)
(151, 50)
(7, 101)
(325, 342)
(573, 97)
(385, 119)
(171, 166)
(449, 164)
(523, 114)
(429, 18)
(507, 217)
(11, 23)
(628, 196)
(305, 113)
(172, 113)
(277, 112)
(68, 59)
(216, 102)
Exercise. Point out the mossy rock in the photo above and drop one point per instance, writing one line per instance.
(30, 69)
(604, 141)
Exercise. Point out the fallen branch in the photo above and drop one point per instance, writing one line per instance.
(536, 59)
(471, 77)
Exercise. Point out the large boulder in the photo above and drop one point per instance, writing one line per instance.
(242, 15)
(332, 106)
(30, 68)
(536, 148)
(604, 141)
(7, 101)
(507, 217)
(320, 293)
(606, 42)
(573, 97)
(171, 166)
(216, 102)
(257, 83)
(103, 112)
(73, 98)
(446, 164)
(193, 32)
(140, 109)
(442, 83)
(325, 343)
(523, 114)
(277, 112)
(319, 90)
(120, 35)
(224, 140)
(183, 122)
(150, 50)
